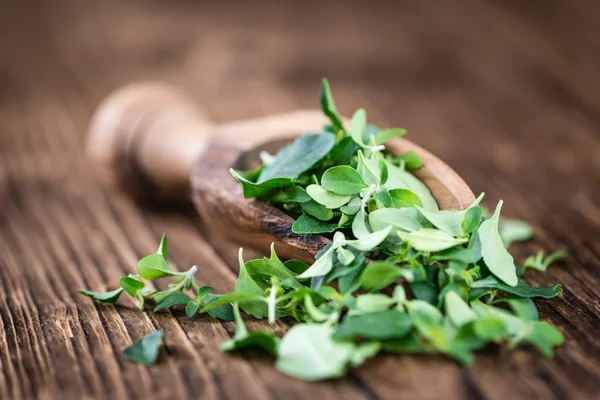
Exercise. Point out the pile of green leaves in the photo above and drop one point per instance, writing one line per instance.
(400, 275)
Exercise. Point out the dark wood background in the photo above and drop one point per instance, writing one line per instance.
(506, 92)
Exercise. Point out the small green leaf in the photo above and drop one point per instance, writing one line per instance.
(146, 350)
(449, 221)
(260, 339)
(308, 352)
(406, 219)
(410, 159)
(404, 198)
(540, 263)
(328, 106)
(358, 126)
(457, 310)
(233, 297)
(317, 210)
(370, 241)
(131, 285)
(327, 198)
(171, 300)
(321, 267)
(223, 312)
(192, 308)
(359, 225)
(381, 325)
(383, 198)
(379, 275)
(342, 180)
(254, 303)
(368, 169)
(521, 289)
(107, 297)
(298, 157)
(383, 172)
(352, 207)
(345, 256)
(498, 260)
(472, 220)
(430, 240)
(400, 179)
(384, 135)
(163, 246)
(154, 267)
(372, 302)
(306, 225)
(252, 189)
(291, 194)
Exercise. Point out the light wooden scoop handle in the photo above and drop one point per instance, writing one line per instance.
(149, 135)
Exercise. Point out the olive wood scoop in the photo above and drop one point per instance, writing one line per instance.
(154, 141)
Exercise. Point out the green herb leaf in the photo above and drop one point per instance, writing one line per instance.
(254, 304)
(243, 339)
(410, 159)
(498, 260)
(223, 312)
(291, 194)
(521, 289)
(321, 267)
(328, 106)
(171, 300)
(449, 221)
(370, 241)
(472, 220)
(306, 225)
(368, 169)
(154, 267)
(430, 240)
(384, 135)
(163, 246)
(107, 297)
(317, 210)
(379, 275)
(358, 126)
(327, 198)
(308, 352)
(383, 172)
(252, 189)
(131, 285)
(342, 180)
(146, 350)
(381, 325)
(191, 308)
(404, 198)
(405, 219)
(457, 310)
(298, 157)
(540, 263)
(359, 225)
(400, 179)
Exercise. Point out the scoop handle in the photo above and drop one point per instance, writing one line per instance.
(147, 137)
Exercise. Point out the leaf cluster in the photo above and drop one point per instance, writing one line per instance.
(400, 275)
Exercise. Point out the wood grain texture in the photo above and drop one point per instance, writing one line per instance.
(505, 92)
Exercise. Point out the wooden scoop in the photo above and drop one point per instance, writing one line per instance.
(155, 142)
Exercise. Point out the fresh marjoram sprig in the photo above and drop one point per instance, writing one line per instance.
(400, 275)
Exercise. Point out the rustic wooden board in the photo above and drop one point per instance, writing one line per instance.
(506, 92)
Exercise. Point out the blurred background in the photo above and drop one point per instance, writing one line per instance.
(506, 92)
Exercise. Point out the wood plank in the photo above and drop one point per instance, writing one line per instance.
(506, 93)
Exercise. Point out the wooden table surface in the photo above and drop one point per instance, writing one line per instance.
(507, 93)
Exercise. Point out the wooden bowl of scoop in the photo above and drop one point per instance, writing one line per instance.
(152, 139)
